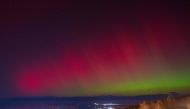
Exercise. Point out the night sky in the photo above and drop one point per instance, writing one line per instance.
(88, 48)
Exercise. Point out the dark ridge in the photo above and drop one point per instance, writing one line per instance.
(81, 99)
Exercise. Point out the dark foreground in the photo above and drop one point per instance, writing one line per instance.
(161, 101)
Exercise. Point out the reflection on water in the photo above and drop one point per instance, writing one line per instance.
(81, 105)
(180, 102)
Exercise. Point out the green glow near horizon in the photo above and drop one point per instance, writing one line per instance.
(156, 84)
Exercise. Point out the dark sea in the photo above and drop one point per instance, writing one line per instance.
(100, 102)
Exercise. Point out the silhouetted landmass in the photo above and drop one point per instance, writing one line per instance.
(80, 99)
(158, 101)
